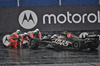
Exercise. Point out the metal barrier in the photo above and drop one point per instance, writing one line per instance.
(6, 3)
(79, 2)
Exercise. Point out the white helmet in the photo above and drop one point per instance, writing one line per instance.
(34, 32)
(25, 33)
(18, 31)
(37, 29)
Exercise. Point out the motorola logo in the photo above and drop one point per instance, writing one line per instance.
(5, 40)
(28, 19)
(72, 18)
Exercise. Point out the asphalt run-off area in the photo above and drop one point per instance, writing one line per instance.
(48, 57)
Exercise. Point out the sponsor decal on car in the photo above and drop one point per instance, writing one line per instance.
(61, 42)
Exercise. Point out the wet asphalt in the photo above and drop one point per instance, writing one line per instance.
(48, 57)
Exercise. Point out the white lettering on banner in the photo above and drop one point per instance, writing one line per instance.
(49, 18)
(95, 18)
(76, 15)
(68, 16)
(71, 18)
(98, 16)
(83, 17)
(58, 18)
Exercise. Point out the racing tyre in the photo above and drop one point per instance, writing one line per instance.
(94, 45)
(78, 45)
(34, 43)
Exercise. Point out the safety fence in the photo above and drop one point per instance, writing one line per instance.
(7, 3)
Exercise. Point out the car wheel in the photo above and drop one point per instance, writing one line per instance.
(34, 43)
(78, 45)
(94, 45)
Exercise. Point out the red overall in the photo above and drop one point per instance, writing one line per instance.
(13, 42)
(39, 36)
(22, 38)
(30, 34)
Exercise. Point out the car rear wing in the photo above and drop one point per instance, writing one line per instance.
(92, 36)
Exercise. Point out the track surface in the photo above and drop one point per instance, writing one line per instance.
(44, 57)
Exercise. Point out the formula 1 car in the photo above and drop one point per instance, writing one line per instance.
(67, 40)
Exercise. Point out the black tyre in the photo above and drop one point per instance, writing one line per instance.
(94, 45)
(34, 43)
(78, 45)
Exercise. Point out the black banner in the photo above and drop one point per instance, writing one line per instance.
(50, 18)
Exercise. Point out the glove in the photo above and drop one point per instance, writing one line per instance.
(20, 40)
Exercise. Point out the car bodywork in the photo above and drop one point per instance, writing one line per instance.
(62, 41)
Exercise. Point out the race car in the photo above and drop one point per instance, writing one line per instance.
(67, 40)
